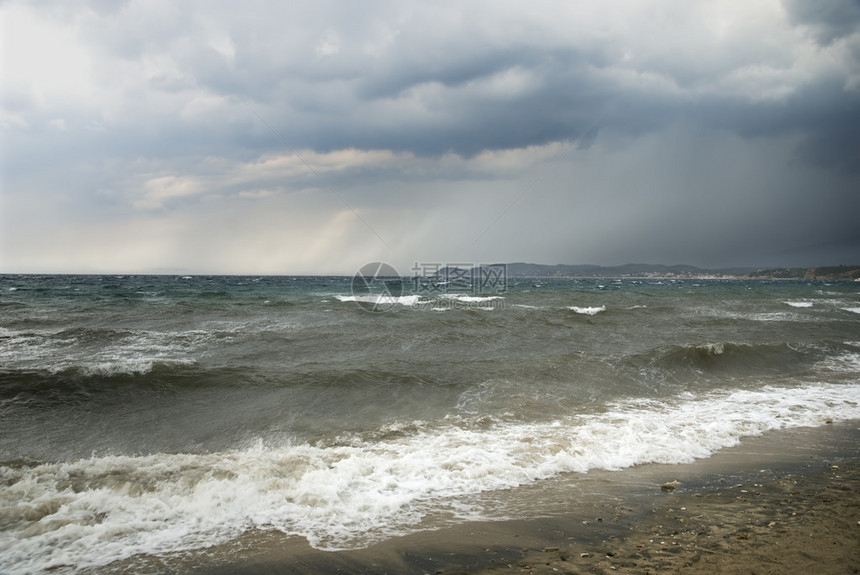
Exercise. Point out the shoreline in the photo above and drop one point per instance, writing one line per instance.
(793, 523)
(786, 501)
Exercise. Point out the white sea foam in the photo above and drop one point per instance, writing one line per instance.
(799, 303)
(713, 348)
(132, 352)
(471, 298)
(95, 511)
(759, 316)
(381, 299)
(847, 363)
(835, 301)
(587, 310)
(852, 309)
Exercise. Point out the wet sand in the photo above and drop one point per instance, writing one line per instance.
(787, 502)
(796, 523)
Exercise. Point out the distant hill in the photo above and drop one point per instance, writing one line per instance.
(818, 273)
(520, 269)
(627, 270)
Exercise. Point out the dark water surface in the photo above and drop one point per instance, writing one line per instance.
(150, 414)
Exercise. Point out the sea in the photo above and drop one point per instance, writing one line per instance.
(165, 415)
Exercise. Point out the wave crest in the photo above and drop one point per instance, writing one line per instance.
(94, 511)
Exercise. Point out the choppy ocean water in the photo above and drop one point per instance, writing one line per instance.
(156, 414)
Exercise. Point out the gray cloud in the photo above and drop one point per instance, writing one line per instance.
(828, 20)
(615, 130)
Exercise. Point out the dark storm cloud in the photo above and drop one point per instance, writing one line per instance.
(824, 117)
(829, 20)
(431, 90)
(702, 130)
(363, 102)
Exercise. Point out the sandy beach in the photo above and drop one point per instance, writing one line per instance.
(786, 502)
(794, 523)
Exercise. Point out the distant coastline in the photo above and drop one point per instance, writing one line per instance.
(647, 271)
(547, 271)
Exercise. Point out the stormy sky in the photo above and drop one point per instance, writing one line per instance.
(313, 137)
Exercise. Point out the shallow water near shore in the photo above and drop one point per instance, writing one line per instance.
(161, 416)
(590, 514)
